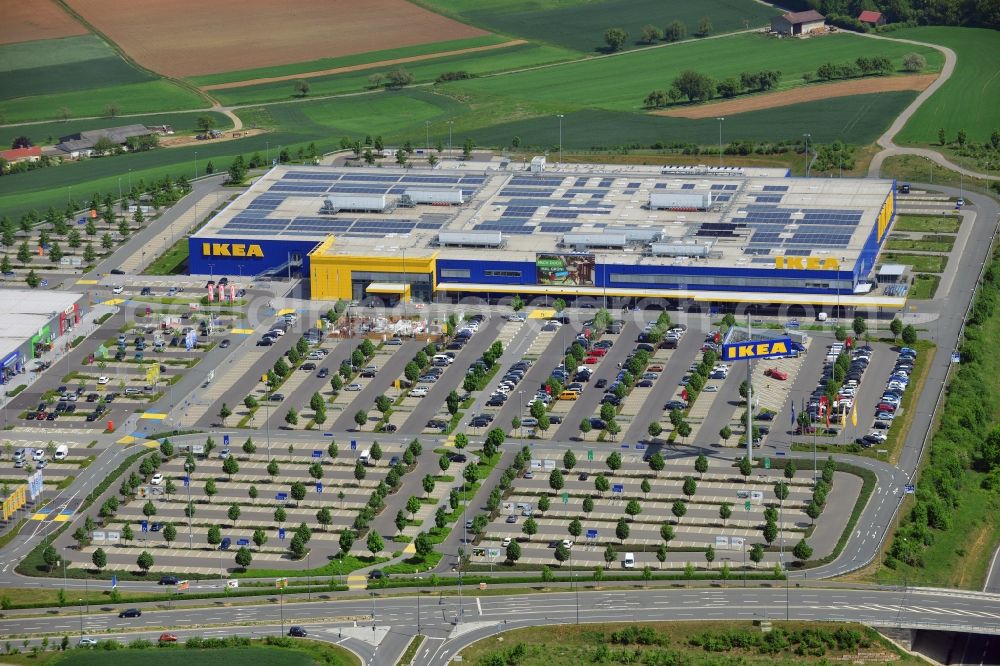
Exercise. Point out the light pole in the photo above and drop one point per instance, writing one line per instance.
(451, 124)
(79, 603)
(720, 119)
(187, 482)
(808, 161)
(373, 613)
(560, 116)
(427, 135)
(196, 164)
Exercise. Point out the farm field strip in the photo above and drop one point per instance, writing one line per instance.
(147, 97)
(802, 94)
(37, 20)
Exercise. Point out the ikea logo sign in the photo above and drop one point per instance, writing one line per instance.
(807, 263)
(737, 351)
(231, 250)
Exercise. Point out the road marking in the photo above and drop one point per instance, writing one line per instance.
(152, 416)
(479, 605)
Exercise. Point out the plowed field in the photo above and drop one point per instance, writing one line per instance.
(39, 19)
(184, 37)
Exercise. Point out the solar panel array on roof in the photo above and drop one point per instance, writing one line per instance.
(775, 188)
(768, 198)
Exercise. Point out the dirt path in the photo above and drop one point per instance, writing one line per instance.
(803, 94)
(367, 65)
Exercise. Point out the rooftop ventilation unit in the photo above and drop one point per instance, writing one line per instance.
(676, 201)
(436, 197)
(470, 239)
(585, 240)
(680, 249)
(336, 203)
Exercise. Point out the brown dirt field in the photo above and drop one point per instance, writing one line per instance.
(178, 141)
(367, 65)
(40, 19)
(808, 93)
(187, 37)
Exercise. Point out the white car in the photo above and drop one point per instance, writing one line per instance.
(515, 317)
(157, 479)
(103, 380)
(711, 388)
(878, 434)
(117, 289)
(505, 542)
(418, 392)
(353, 387)
(87, 642)
(567, 543)
(38, 454)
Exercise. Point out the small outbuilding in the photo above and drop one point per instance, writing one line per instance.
(15, 155)
(873, 19)
(798, 23)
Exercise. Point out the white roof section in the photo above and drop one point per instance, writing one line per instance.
(33, 301)
(891, 270)
(754, 214)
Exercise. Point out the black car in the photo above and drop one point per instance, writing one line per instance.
(308, 366)
(765, 416)
(130, 612)
(611, 399)
(555, 419)
(297, 632)
(597, 424)
(601, 383)
(169, 580)
(224, 344)
(645, 383)
(478, 423)
(265, 342)
(323, 373)
(155, 527)
(495, 402)
(387, 427)
(146, 291)
(583, 476)
(93, 416)
(376, 574)
(117, 271)
(457, 457)
(675, 404)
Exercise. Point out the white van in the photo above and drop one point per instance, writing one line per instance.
(365, 456)
(629, 561)
(61, 452)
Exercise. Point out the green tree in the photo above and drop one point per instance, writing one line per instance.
(909, 335)
(601, 484)
(569, 460)
(513, 553)
(745, 468)
(615, 38)
(896, 326)
(675, 32)
(530, 528)
(280, 515)
(614, 461)
(802, 551)
(651, 34)
(621, 530)
(243, 557)
(230, 466)
(610, 554)
(690, 487)
(233, 513)
(633, 508)
(695, 86)
(704, 26)
(144, 562)
(556, 481)
(725, 511)
(345, 541)
(679, 508)
(645, 487)
(361, 418)
(214, 536)
(422, 546)
(757, 554)
(656, 462)
(99, 558)
(585, 427)
(210, 489)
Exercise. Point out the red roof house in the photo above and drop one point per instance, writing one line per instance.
(22, 154)
(871, 18)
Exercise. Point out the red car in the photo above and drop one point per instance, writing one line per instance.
(168, 638)
(655, 368)
(590, 360)
(774, 373)
(598, 351)
(886, 407)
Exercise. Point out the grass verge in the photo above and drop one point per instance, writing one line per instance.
(411, 650)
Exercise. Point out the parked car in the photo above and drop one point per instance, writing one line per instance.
(775, 373)
(130, 612)
(297, 632)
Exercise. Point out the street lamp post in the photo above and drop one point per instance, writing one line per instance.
(720, 119)
(808, 161)
(427, 135)
(79, 603)
(196, 164)
(451, 124)
(560, 116)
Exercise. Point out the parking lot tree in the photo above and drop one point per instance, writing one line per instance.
(408, 457)
(252, 492)
(428, 484)
(530, 528)
(601, 484)
(690, 486)
(667, 533)
(225, 413)
(556, 480)
(272, 468)
(233, 513)
(614, 461)
(675, 416)
(859, 326)
(621, 389)
(149, 509)
(422, 546)
(440, 518)
(361, 417)
(896, 326)
(479, 524)
(230, 466)
(607, 411)
(710, 556)
(400, 521)
(725, 512)
(345, 541)
(144, 562)
(166, 448)
(679, 509)
(633, 508)
(813, 510)
(249, 447)
(840, 333)
(622, 530)
(543, 503)
(909, 334)
(517, 303)
(610, 554)
(588, 504)
(683, 430)
(513, 553)
(493, 501)
(654, 429)
(214, 536)
(770, 514)
(756, 554)
(298, 491)
(615, 38)
(298, 547)
(210, 489)
(169, 533)
(656, 462)
(413, 505)
(81, 537)
(127, 534)
(770, 532)
(645, 487)
(537, 409)
(745, 468)
(243, 557)
(209, 447)
(781, 490)
(701, 464)
(790, 467)
(99, 558)
(562, 553)
(802, 551)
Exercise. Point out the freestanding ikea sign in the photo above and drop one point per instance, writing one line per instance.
(738, 351)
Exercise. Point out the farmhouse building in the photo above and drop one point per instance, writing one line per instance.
(15, 155)
(82, 143)
(874, 19)
(798, 23)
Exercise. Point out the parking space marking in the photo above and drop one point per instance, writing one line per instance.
(542, 313)
(154, 416)
(242, 331)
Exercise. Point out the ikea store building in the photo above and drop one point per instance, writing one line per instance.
(718, 235)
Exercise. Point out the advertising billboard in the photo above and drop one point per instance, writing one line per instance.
(738, 351)
(565, 269)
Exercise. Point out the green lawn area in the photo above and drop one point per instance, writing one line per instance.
(147, 97)
(348, 61)
(924, 286)
(970, 98)
(261, 655)
(937, 223)
(580, 24)
(621, 83)
(922, 263)
(671, 643)
(483, 62)
(929, 243)
(59, 65)
(49, 133)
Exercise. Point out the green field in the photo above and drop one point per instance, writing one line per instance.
(484, 62)
(178, 656)
(924, 286)
(348, 61)
(927, 223)
(923, 263)
(859, 119)
(49, 133)
(621, 83)
(970, 98)
(60, 65)
(580, 24)
(930, 243)
(147, 97)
